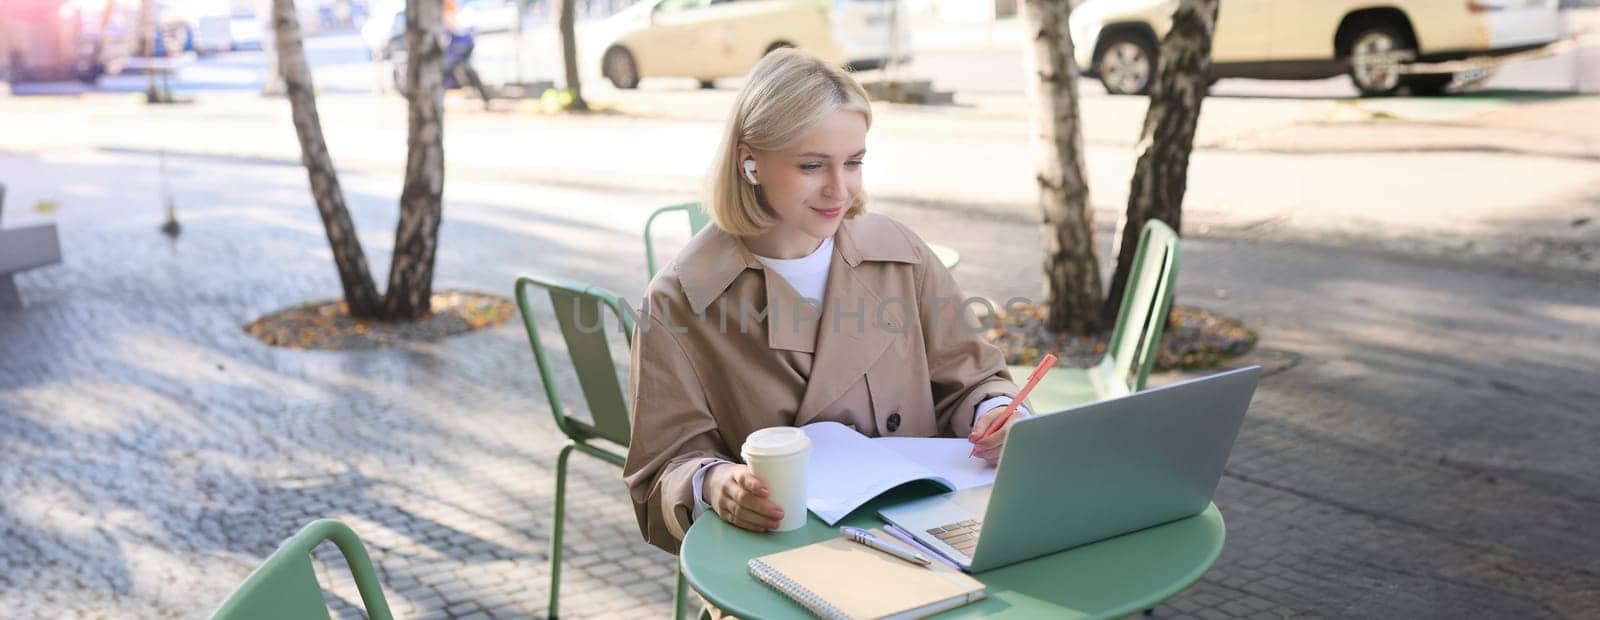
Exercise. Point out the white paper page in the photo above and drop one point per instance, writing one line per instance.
(846, 470)
(945, 457)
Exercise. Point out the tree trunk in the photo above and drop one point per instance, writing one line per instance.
(272, 84)
(149, 31)
(1161, 174)
(359, 291)
(416, 239)
(569, 54)
(1071, 266)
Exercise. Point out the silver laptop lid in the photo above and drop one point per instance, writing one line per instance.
(1101, 469)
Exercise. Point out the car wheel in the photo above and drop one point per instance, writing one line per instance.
(777, 46)
(1376, 52)
(91, 74)
(1126, 64)
(12, 72)
(620, 68)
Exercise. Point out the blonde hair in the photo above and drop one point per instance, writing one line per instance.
(787, 94)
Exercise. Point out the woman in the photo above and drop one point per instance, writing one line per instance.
(796, 307)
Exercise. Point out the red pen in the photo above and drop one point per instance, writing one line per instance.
(1044, 366)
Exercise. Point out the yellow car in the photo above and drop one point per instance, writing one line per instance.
(1117, 40)
(708, 39)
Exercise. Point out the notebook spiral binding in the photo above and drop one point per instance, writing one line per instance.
(795, 591)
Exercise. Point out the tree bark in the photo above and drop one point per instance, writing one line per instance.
(1160, 176)
(569, 54)
(149, 31)
(1071, 265)
(360, 293)
(416, 239)
(272, 85)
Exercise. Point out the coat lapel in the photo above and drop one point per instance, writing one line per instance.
(849, 338)
(791, 320)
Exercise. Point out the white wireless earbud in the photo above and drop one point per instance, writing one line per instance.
(750, 171)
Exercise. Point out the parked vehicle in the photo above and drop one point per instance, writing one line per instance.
(66, 39)
(489, 16)
(708, 39)
(864, 29)
(200, 26)
(1383, 47)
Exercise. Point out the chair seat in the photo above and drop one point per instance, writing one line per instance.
(1060, 389)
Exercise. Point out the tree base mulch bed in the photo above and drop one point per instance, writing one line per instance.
(1195, 338)
(328, 326)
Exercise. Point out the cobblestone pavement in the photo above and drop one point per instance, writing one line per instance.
(151, 453)
(1424, 446)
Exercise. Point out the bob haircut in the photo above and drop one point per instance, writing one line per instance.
(787, 94)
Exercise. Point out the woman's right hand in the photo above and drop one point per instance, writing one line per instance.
(740, 498)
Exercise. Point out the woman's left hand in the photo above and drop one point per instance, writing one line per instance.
(989, 448)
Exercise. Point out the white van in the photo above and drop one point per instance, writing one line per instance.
(1117, 40)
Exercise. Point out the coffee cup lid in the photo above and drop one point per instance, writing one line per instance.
(776, 441)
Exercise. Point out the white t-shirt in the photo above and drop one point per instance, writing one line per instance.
(807, 274)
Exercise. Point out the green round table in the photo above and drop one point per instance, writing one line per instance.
(1111, 578)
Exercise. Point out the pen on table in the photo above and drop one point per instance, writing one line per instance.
(856, 534)
(1044, 366)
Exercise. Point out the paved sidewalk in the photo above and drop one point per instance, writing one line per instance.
(152, 453)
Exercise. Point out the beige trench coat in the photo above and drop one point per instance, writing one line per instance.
(725, 347)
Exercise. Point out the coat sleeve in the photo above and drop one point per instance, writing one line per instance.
(964, 368)
(673, 434)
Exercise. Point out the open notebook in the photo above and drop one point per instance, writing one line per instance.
(847, 469)
(837, 578)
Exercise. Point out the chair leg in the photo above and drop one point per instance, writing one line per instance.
(680, 598)
(555, 535)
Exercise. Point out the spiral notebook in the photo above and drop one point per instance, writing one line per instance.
(839, 579)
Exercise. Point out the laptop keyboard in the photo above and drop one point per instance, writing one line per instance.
(963, 535)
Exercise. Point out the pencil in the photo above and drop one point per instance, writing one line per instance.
(1044, 366)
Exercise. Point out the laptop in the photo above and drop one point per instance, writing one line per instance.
(1089, 473)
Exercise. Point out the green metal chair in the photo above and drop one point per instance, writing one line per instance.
(698, 218)
(578, 311)
(1135, 339)
(285, 586)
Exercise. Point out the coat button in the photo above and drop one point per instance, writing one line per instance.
(893, 423)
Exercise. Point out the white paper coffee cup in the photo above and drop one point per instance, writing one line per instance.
(777, 455)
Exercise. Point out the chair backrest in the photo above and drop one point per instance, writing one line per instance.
(698, 218)
(577, 310)
(285, 585)
(1137, 335)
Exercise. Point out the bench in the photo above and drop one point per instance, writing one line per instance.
(22, 249)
